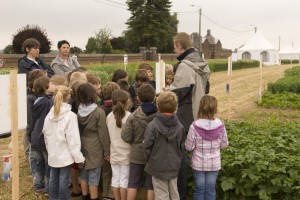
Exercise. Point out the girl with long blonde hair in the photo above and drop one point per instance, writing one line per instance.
(62, 139)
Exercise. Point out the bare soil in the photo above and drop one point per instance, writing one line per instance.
(238, 104)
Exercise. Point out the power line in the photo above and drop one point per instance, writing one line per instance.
(212, 21)
(229, 29)
(122, 4)
(99, 1)
(186, 12)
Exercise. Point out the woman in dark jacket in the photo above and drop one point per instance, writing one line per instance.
(31, 61)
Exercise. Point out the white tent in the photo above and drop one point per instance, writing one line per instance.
(259, 45)
(289, 53)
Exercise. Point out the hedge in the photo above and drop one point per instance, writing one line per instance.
(287, 61)
(240, 64)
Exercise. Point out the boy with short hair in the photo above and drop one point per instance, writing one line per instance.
(141, 77)
(107, 91)
(163, 145)
(96, 82)
(149, 70)
(40, 109)
(133, 133)
(169, 79)
(31, 97)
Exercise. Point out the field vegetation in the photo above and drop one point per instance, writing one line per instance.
(262, 161)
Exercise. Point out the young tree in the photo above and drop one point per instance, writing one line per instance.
(118, 43)
(75, 50)
(151, 25)
(100, 43)
(102, 40)
(8, 49)
(31, 31)
(91, 46)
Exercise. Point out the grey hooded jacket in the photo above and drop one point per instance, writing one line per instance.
(133, 133)
(190, 79)
(163, 145)
(59, 67)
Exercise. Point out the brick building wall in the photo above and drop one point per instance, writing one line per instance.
(211, 48)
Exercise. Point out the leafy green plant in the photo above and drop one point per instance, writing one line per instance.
(285, 92)
(262, 161)
(289, 83)
(280, 100)
(4, 71)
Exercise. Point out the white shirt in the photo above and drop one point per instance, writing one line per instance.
(119, 150)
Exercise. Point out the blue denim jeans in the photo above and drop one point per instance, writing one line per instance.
(183, 177)
(42, 170)
(91, 176)
(205, 185)
(58, 183)
(32, 162)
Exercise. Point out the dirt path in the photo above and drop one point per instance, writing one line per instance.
(244, 89)
(244, 93)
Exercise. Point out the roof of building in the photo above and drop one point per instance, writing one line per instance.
(257, 42)
(210, 38)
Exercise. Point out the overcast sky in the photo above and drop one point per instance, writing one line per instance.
(77, 20)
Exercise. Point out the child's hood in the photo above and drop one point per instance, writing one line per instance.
(166, 125)
(209, 129)
(65, 109)
(85, 110)
(84, 113)
(141, 117)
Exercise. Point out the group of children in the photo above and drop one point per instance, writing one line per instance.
(125, 134)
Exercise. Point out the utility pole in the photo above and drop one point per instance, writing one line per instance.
(200, 38)
(279, 42)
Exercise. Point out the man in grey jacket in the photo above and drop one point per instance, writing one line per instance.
(190, 83)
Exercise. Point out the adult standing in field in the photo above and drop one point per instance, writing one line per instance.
(191, 76)
(63, 63)
(31, 60)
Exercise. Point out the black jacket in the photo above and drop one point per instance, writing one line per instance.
(31, 97)
(25, 66)
(40, 109)
(163, 145)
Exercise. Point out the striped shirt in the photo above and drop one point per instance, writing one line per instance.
(206, 153)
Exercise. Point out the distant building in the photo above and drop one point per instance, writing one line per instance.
(211, 48)
(257, 48)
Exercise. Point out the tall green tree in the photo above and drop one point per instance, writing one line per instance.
(31, 31)
(100, 43)
(91, 46)
(151, 25)
(8, 49)
(118, 43)
(75, 50)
